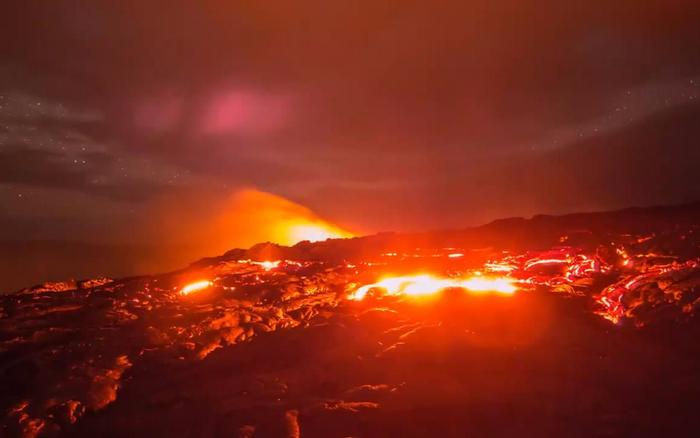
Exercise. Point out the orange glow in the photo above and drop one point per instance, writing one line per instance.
(268, 265)
(213, 224)
(426, 284)
(253, 216)
(314, 232)
(195, 287)
(500, 267)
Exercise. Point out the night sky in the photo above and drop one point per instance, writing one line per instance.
(119, 118)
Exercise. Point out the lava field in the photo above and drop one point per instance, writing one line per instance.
(582, 325)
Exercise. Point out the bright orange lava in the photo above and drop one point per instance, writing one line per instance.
(426, 284)
(268, 265)
(195, 287)
(314, 232)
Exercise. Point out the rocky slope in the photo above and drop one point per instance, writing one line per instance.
(598, 338)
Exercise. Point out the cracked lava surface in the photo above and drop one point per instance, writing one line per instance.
(530, 328)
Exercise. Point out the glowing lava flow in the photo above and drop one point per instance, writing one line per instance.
(267, 265)
(315, 232)
(426, 284)
(195, 287)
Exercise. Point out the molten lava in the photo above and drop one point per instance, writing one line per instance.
(84, 335)
(195, 287)
(267, 264)
(426, 284)
(314, 232)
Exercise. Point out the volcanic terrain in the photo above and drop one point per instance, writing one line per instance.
(579, 325)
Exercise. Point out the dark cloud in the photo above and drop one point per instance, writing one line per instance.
(652, 161)
(425, 113)
(84, 173)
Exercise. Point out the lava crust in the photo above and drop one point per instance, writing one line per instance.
(598, 336)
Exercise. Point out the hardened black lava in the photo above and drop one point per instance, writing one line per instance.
(599, 338)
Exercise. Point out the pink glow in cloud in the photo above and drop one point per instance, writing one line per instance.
(245, 112)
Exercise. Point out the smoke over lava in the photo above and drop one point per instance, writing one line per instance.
(208, 224)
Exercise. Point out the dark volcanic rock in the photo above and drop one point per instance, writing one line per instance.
(599, 339)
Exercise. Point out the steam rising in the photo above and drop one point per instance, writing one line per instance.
(246, 217)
